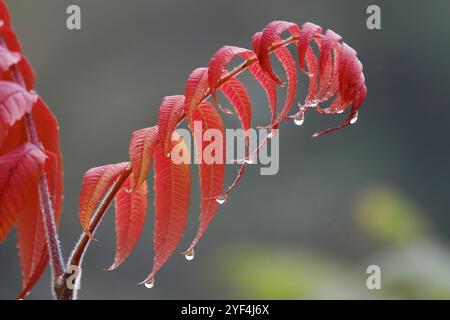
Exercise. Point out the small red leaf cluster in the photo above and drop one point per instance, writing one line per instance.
(335, 74)
(22, 163)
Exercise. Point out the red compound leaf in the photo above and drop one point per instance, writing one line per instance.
(334, 73)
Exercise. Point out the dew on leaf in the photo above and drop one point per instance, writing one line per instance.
(189, 255)
(150, 283)
(221, 199)
(355, 118)
(299, 119)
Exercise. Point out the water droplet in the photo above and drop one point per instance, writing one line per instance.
(189, 255)
(168, 155)
(221, 199)
(227, 111)
(272, 133)
(355, 118)
(250, 161)
(311, 104)
(150, 283)
(299, 119)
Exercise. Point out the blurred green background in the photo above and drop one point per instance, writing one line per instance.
(374, 194)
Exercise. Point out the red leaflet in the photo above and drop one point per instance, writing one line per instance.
(131, 210)
(9, 38)
(211, 173)
(170, 113)
(313, 72)
(236, 92)
(263, 78)
(172, 193)
(269, 36)
(141, 153)
(218, 64)
(327, 45)
(14, 103)
(96, 183)
(19, 174)
(307, 33)
(196, 88)
(288, 63)
(349, 73)
(31, 238)
(329, 83)
(7, 58)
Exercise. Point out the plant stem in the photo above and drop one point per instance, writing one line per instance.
(54, 250)
(48, 214)
(76, 258)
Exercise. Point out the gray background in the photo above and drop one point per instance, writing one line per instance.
(107, 80)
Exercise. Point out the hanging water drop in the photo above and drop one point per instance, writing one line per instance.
(250, 161)
(189, 255)
(150, 283)
(355, 118)
(299, 119)
(272, 133)
(221, 199)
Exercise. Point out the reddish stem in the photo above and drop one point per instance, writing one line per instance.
(54, 250)
(48, 214)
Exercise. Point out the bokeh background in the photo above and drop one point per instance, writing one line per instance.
(376, 193)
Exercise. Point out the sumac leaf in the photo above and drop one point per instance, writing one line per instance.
(170, 113)
(20, 171)
(96, 183)
(197, 86)
(141, 153)
(212, 165)
(131, 210)
(172, 194)
(269, 36)
(15, 101)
